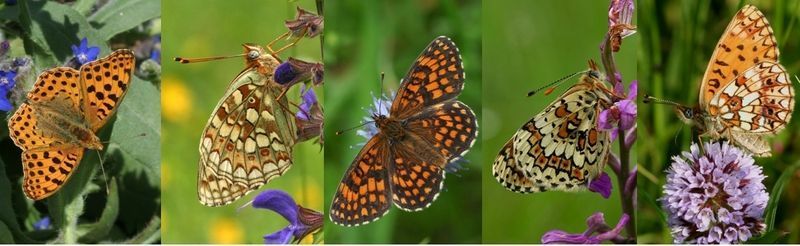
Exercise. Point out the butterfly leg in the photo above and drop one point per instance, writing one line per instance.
(276, 52)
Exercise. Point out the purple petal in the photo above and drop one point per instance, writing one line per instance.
(618, 89)
(5, 105)
(614, 232)
(92, 53)
(601, 185)
(278, 201)
(42, 224)
(284, 236)
(633, 90)
(606, 120)
(595, 222)
(627, 110)
(562, 237)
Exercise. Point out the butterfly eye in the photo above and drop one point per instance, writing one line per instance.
(688, 113)
(594, 74)
(252, 54)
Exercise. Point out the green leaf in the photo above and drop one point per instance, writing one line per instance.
(775, 195)
(7, 213)
(770, 237)
(656, 205)
(95, 232)
(150, 235)
(84, 6)
(136, 142)
(119, 16)
(5, 234)
(51, 28)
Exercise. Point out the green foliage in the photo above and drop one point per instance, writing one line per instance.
(678, 39)
(108, 203)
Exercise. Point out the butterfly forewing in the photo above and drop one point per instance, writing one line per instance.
(747, 41)
(364, 194)
(105, 82)
(437, 75)
(560, 148)
(247, 141)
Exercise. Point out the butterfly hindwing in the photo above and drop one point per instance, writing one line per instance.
(247, 141)
(46, 170)
(364, 194)
(416, 183)
(450, 127)
(437, 75)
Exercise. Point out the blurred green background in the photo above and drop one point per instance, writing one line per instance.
(678, 38)
(527, 44)
(190, 91)
(363, 39)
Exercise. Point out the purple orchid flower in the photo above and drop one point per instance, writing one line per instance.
(622, 113)
(596, 232)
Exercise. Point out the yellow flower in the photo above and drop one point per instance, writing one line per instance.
(225, 231)
(176, 103)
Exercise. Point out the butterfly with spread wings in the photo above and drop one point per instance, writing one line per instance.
(427, 128)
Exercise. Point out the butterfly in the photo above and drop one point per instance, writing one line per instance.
(427, 128)
(561, 148)
(248, 138)
(745, 93)
(60, 119)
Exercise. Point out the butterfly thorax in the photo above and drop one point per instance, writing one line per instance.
(393, 129)
(65, 122)
(263, 61)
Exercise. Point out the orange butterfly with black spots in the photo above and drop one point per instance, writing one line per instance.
(427, 128)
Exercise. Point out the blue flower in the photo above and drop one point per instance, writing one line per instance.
(85, 53)
(42, 224)
(380, 106)
(155, 53)
(294, 71)
(309, 98)
(596, 224)
(716, 196)
(302, 221)
(305, 24)
(309, 118)
(7, 82)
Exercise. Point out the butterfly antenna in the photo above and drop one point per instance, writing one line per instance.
(340, 132)
(651, 99)
(380, 94)
(204, 59)
(554, 84)
(105, 178)
(244, 206)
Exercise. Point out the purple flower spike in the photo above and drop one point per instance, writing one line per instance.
(85, 53)
(714, 197)
(302, 221)
(596, 224)
(309, 117)
(601, 185)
